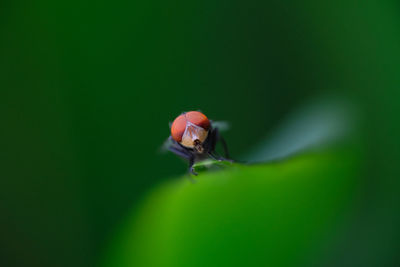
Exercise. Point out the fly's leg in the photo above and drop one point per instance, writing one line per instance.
(225, 146)
(214, 138)
(180, 152)
(215, 157)
(191, 163)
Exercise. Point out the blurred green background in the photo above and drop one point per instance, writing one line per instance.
(87, 89)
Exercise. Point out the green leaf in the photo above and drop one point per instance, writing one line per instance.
(275, 214)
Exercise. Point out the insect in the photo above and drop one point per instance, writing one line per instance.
(194, 138)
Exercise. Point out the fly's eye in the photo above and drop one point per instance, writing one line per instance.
(189, 127)
(178, 127)
(199, 119)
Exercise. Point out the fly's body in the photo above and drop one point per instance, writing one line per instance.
(194, 138)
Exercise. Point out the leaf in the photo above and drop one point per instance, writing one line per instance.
(274, 214)
(322, 121)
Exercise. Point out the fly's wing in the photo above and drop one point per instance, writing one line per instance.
(166, 145)
(221, 125)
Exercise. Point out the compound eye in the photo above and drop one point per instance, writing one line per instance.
(178, 128)
(199, 119)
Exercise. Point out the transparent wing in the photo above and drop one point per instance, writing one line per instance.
(167, 143)
(221, 125)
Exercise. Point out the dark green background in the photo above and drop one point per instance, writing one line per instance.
(88, 89)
